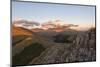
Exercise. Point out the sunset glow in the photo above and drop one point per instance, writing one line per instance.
(52, 16)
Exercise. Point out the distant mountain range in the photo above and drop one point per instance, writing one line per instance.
(56, 25)
(25, 23)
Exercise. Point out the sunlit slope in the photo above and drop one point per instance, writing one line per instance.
(27, 45)
(22, 40)
(19, 34)
(20, 31)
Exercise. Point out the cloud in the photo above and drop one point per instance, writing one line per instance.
(83, 27)
(25, 23)
(57, 24)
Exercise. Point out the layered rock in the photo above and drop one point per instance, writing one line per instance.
(81, 49)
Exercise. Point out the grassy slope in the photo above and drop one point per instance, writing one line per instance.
(26, 45)
(20, 31)
(28, 54)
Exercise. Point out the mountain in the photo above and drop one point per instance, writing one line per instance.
(49, 45)
(28, 24)
(23, 37)
(20, 31)
(67, 46)
(27, 45)
(37, 30)
(80, 47)
(57, 25)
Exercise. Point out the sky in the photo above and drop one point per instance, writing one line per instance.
(43, 12)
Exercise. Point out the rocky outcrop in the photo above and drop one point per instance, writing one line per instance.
(82, 49)
(72, 47)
